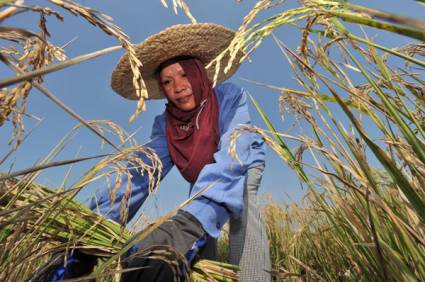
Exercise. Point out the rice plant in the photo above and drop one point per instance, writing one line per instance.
(364, 214)
(360, 152)
(36, 221)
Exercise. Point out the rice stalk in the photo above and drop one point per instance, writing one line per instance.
(22, 201)
(27, 76)
(49, 165)
(75, 227)
(248, 38)
(106, 24)
(62, 105)
(360, 146)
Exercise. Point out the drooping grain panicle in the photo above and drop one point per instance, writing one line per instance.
(56, 221)
(180, 4)
(60, 224)
(359, 140)
(105, 23)
(251, 33)
(38, 52)
(356, 142)
(34, 217)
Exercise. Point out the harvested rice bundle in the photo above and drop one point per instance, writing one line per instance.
(49, 222)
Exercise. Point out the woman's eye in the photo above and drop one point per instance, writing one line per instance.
(165, 82)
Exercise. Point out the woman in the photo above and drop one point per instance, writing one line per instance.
(193, 134)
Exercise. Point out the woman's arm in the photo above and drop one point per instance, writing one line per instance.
(139, 181)
(225, 197)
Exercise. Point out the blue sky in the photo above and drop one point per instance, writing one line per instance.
(85, 87)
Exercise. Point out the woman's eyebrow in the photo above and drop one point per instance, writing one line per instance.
(170, 76)
(164, 76)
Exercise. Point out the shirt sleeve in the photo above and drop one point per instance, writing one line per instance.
(139, 182)
(227, 176)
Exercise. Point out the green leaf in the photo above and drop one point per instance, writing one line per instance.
(286, 153)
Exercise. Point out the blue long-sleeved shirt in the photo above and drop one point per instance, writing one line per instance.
(225, 197)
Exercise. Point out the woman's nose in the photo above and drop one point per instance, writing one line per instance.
(179, 85)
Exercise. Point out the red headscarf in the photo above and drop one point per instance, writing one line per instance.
(193, 136)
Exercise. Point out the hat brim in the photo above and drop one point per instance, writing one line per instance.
(204, 41)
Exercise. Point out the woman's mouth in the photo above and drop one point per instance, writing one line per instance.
(184, 99)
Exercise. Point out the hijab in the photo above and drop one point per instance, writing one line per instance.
(193, 136)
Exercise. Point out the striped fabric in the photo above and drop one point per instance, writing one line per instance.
(248, 242)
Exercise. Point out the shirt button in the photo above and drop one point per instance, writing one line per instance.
(218, 225)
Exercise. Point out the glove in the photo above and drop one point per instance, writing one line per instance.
(183, 232)
(78, 264)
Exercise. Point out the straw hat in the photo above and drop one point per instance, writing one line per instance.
(202, 40)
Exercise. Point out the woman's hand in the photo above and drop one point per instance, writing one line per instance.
(176, 240)
(78, 264)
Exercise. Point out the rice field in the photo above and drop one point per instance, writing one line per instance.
(358, 149)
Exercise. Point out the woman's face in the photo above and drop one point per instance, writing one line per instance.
(177, 87)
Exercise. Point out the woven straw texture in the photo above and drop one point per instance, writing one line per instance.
(203, 41)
